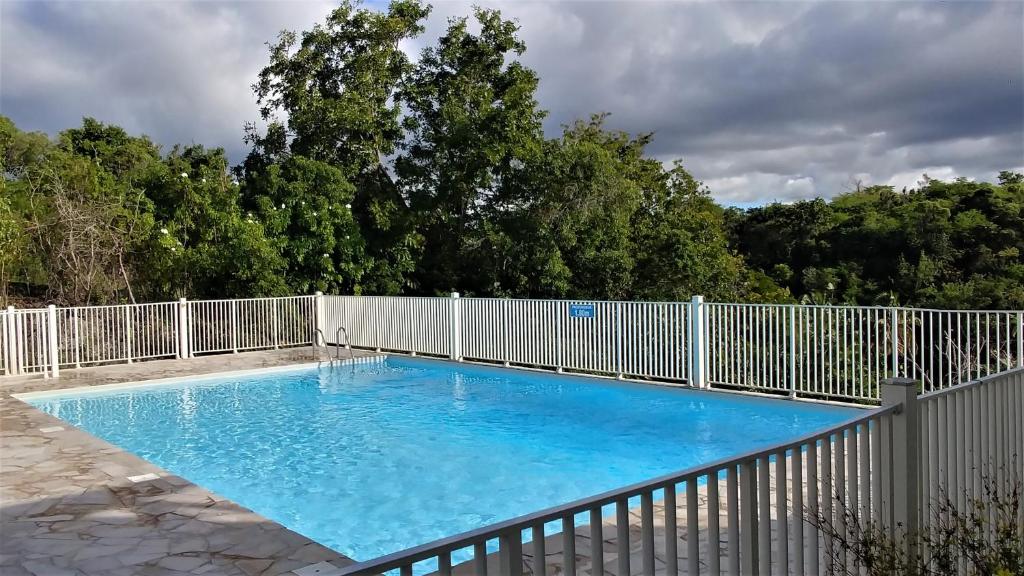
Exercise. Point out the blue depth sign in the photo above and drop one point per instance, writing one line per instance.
(581, 310)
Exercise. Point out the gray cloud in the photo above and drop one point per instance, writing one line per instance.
(764, 101)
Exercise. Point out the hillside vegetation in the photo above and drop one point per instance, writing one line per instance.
(376, 174)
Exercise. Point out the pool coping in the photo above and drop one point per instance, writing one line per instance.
(159, 382)
(679, 385)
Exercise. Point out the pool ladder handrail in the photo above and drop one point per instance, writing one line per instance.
(323, 339)
(348, 345)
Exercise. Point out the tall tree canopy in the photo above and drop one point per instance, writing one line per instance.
(472, 122)
(377, 173)
(337, 86)
(103, 217)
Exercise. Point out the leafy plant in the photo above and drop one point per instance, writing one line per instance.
(984, 538)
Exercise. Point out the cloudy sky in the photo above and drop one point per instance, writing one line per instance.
(762, 100)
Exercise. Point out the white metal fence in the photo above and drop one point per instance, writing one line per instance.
(417, 325)
(48, 339)
(630, 338)
(972, 444)
(24, 344)
(965, 433)
(91, 335)
(782, 510)
(842, 351)
(728, 511)
(835, 352)
(251, 324)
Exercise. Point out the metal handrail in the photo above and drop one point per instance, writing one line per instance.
(348, 345)
(323, 339)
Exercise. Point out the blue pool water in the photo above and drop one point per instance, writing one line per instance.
(379, 457)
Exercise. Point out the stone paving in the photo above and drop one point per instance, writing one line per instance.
(69, 505)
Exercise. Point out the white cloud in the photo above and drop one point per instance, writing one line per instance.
(911, 179)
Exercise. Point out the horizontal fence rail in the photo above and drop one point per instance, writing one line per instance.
(48, 339)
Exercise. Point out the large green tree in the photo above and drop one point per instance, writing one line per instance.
(337, 85)
(83, 212)
(472, 124)
(596, 217)
(306, 207)
(380, 174)
(207, 245)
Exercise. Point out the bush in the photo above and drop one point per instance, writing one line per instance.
(985, 539)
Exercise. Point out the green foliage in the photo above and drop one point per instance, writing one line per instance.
(984, 536)
(472, 123)
(380, 174)
(102, 217)
(592, 216)
(306, 206)
(11, 243)
(207, 245)
(83, 214)
(946, 244)
(338, 85)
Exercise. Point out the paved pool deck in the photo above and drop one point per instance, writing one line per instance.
(69, 505)
(72, 504)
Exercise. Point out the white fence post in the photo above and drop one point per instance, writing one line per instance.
(18, 335)
(748, 545)
(792, 351)
(276, 315)
(698, 344)
(455, 309)
(507, 317)
(906, 459)
(51, 329)
(129, 337)
(8, 340)
(895, 339)
(77, 338)
(1020, 340)
(560, 310)
(619, 350)
(183, 328)
(318, 319)
(234, 326)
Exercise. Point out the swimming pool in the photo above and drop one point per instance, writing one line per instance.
(377, 457)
